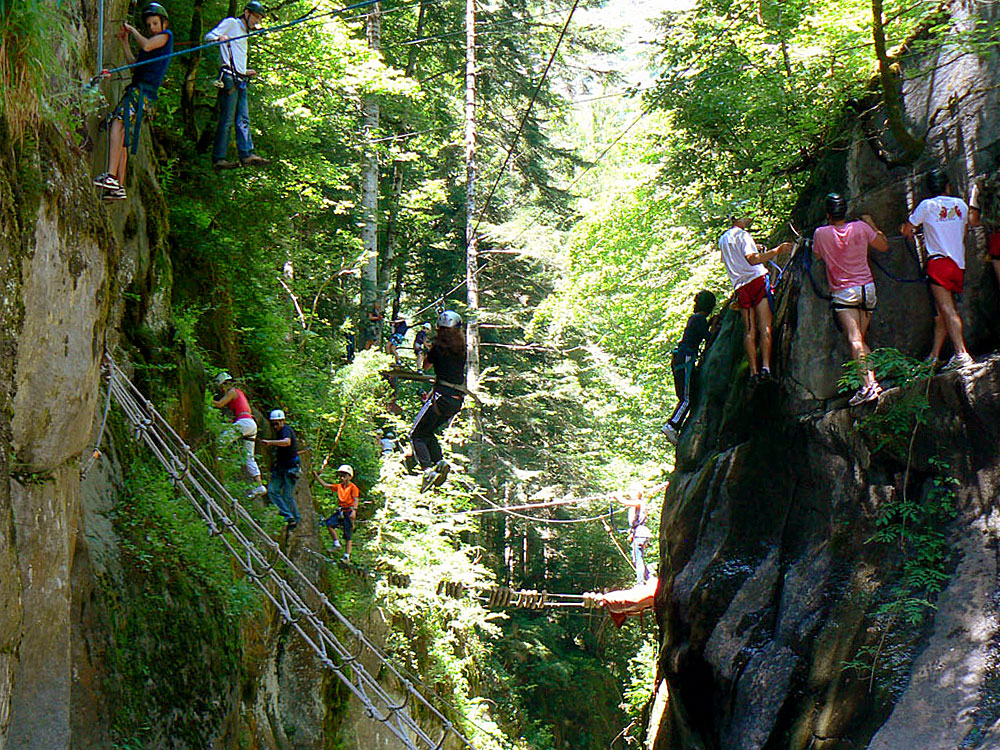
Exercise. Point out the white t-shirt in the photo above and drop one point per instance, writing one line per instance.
(944, 218)
(231, 27)
(736, 244)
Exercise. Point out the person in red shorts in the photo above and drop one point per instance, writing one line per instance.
(944, 219)
(984, 211)
(843, 246)
(744, 263)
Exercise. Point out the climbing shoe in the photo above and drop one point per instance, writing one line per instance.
(219, 164)
(114, 194)
(670, 432)
(442, 469)
(254, 161)
(106, 180)
(428, 479)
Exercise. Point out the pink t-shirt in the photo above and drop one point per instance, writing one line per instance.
(844, 249)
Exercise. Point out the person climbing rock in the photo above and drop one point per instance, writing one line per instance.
(446, 355)
(984, 211)
(244, 426)
(140, 94)
(399, 329)
(348, 496)
(744, 263)
(638, 533)
(419, 342)
(285, 468)
(843, 246)
(684, 356)
(944, 219)
(234, 104)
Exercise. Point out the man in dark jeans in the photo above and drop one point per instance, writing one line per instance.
(234, 80)
(285, 469)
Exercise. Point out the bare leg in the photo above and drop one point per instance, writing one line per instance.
(763, 314)
(945, 303)
(940, 333)
(750, 339)
(347, 548)
(854, 324)
(117, 156)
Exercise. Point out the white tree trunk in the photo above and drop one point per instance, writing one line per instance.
(471, 241)
(369, 191)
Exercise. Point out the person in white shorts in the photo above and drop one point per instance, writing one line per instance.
(244, 427)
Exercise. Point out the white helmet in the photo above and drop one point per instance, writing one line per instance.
(449, 319)
(345, 469)
(222, 377)
(276, 415)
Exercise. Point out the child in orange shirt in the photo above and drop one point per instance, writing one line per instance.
(348, 495)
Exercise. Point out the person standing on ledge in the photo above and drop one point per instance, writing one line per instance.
(285, 469)
(235, 81)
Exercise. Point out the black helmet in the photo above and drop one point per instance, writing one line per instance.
(254, 6)
(836, 205)
(937, 181)
(704, 301)
(154, 9)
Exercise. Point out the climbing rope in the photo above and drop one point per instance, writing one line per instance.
(100, 436)
(296, 599)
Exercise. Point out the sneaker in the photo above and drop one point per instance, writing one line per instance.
(670, 432)
(336, 544)
(258, 490)
(765, 375)
(865, 394)
(106, 180)
(292, 524)
(345, 558)
(254, 161)
(442, 468)
(219, 164)
(114, 194)
(958, 362)
(427, 481)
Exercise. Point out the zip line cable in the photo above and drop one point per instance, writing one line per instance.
(565, 501)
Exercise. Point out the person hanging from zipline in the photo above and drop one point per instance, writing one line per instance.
(235, 78)
(446, 355)
(944, 219)
(348, 496)
(125, 121)
(843, 246)
(244, 427)
(745, 265)
(399, 329)
(984, 211)
(639, 533)
(684, 357)
(419, 344)
(285, 468)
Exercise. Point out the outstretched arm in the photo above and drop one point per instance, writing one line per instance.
(758, 258)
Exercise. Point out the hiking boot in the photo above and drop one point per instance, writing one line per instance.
(107, 180)
(428, 479)
(442, 468)
(254, 161)
(219, 164)
(114, 194)
(670, 432)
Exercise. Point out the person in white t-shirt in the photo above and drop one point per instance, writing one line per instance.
(944, 219)
(744, 262)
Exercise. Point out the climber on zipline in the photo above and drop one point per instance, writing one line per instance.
(638, 533)
(944, 219)
(285, 469)
(984, 211)
(419, 344)
(244, 426)
(126, 119)
(744, 262)
(348, 496)
(843, 246)
(684, 357)
(399, 329)
(235, 79)
(446, 355)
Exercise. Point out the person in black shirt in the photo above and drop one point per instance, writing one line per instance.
(682, 363)
(447, 356)
(126, 120)
(285, 469)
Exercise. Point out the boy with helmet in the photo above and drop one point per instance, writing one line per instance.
(285, 468)
(843, 246)
(126, 119)
(235, 78)
(744, 263)
(944, 219)
(419, 342)
(244, 426)
(682, 362)
(446, 355)
(348, 496)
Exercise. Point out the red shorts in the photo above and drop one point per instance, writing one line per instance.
(945, 273)
(749, 295)
(994, 245)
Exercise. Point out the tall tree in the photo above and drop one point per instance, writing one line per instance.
(369, 185)
(471, 242)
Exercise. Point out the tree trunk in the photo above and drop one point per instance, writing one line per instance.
(411, 60)
(389, 259)
(369, 194)
(471, 241)
(188, 89)
(911, 145)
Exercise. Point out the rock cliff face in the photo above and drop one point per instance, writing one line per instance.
(775, 600)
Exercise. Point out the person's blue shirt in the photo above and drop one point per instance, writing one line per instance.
(150, 76)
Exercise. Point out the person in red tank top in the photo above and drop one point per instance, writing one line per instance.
(244, 427)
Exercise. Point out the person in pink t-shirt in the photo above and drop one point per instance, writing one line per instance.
(843, 246)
